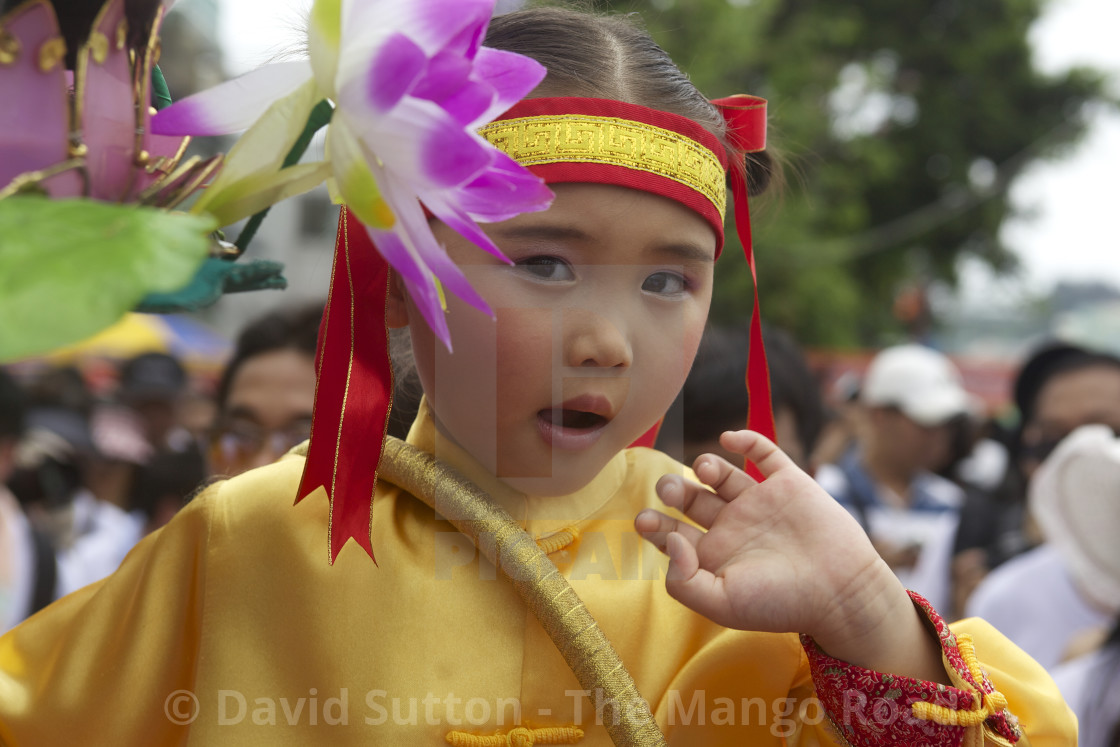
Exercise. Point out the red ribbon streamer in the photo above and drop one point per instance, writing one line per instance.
(746, 126)
(354, 388)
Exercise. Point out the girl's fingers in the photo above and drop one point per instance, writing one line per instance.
(757, 448)
(683, 561)
(656, 527)
(693, 586)
(727, 480)
(692, 499)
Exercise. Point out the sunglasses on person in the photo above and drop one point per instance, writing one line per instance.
(1040, 449)
(238, 441)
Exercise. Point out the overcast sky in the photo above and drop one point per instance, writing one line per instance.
(1073, 234)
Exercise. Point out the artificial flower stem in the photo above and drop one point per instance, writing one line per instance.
(161, 95)
(317, 120)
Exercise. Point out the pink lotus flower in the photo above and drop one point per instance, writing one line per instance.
(411, 84)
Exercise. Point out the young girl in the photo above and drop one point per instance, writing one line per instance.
(227, 627)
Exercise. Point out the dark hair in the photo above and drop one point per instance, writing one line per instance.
(1047, 363)
(714, 397)
(611, 57)
(61, 387)
(13, 407)
(289, 329)
(793, 385)
(158, 376)
(49, 470)
(76, 17)
(407, 390)
(169, 475)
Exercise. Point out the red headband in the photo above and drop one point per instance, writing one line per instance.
(613, 142)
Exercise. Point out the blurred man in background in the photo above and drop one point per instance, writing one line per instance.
(908, 398)
(1032, 597)
(267, 391)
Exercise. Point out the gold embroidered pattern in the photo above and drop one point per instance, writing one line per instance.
(581, 138)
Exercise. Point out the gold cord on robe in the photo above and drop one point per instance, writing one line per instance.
(544, 590)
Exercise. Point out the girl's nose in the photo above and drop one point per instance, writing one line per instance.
(593, 340)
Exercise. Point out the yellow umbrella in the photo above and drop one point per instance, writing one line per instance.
(135, 333)
(132, 335)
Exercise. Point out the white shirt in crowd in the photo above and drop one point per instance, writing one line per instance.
(104, 534)
(17, 562)
(1032, 600)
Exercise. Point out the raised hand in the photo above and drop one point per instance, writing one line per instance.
(781, 556)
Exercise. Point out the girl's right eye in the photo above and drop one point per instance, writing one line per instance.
(553, 269)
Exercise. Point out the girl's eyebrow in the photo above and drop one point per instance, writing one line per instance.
(541, 231)
(685, 252)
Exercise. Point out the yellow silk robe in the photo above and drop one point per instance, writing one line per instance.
(228, 626)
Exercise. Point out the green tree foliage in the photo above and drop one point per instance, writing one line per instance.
(901, 125)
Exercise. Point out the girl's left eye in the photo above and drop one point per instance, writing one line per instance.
(665, 283)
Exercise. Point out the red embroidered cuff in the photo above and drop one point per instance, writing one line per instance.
(874, 708)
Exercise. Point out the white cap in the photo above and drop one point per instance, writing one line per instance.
(1075, 499)
(919, 381)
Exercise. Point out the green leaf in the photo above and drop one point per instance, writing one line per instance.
(69, 268)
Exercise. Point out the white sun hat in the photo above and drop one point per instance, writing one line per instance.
(921, 382)
(1075, 499)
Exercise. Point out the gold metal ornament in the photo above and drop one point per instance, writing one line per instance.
(99, 47)
(51, 54)
(9, 48)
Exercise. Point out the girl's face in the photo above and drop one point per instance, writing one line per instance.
(597, 323)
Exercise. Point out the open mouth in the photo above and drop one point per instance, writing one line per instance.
(572, 419)
(575, 424)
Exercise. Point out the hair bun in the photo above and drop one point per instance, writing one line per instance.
(759, 167)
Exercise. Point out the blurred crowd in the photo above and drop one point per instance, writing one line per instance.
(85, 476)
(1013, 520)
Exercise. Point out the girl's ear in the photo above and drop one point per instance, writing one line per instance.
(396, 307)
